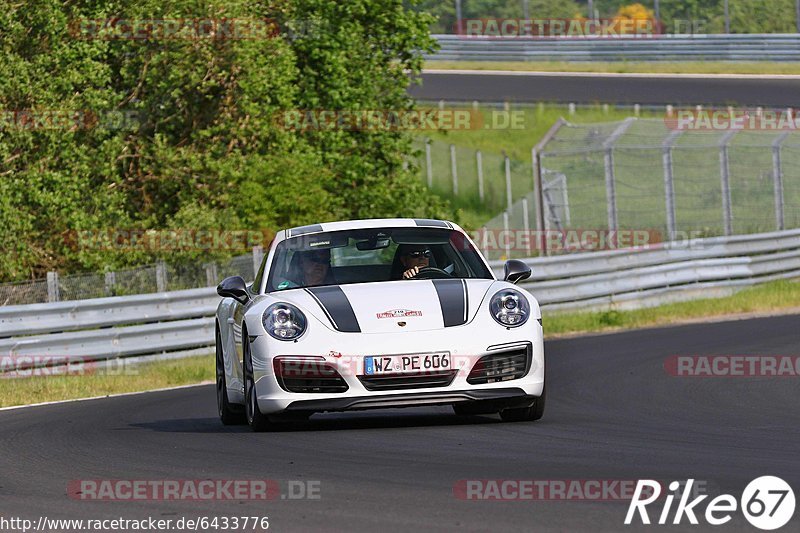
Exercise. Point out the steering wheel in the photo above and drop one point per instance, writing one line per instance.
(430, 272)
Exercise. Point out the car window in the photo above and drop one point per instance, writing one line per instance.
(372, 255)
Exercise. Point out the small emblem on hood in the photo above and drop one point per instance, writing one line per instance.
(401, 324)
(398, 313)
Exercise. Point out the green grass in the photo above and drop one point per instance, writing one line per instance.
(768, 297)
(494, 143)
(625, 67)
(146, 376)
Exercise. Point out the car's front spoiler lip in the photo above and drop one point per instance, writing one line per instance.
(508, 395)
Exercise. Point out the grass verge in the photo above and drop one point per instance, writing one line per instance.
(773, 296)
(625, 67)
(769, 297)
(145, 376)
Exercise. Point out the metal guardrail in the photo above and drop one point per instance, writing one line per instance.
(103, 312)
(726, 47)
(169, 323)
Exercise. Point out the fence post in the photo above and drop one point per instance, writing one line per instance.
(526, 226)
(538, 196)
(161, 276)
(211, 274)
(536, 162)
(725, 179)
(505, 233)
(479, 162)
(428, 164)
(777, 180)
(608, 164)
(509, 198)
(453, 169)
(53, 292)
(110, 281)
(258, 256)
(669, 184)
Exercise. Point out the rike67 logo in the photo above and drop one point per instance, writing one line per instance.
(767, 503)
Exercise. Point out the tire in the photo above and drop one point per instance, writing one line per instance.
(526, 414)
(230, 414)
(257, 421)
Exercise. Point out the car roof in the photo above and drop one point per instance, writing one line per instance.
(371, 223)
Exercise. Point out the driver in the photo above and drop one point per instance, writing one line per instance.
(310, 268)
(413, 258)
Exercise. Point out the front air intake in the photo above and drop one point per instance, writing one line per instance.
(503, 365)
(308, 375)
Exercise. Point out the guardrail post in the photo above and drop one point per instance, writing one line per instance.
(53, 292)
(608, 164)
(725, 180)
(258, 256)
(428, 164)
(110, 281)
(669, 184)
(777, 179)
(211, 274)
(161, 276)
(479, 162)
(509, 198)
(453, 169)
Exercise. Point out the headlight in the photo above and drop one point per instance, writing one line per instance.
(510, 308)
(284, 321)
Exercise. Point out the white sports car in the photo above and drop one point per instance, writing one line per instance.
(377, 313)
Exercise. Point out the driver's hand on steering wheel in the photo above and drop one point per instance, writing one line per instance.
(411, 272)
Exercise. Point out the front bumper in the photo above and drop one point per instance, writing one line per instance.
(346, 352)
(503, 398)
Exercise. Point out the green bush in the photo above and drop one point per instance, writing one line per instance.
(202, 147)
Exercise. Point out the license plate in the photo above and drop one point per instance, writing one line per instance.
(406, 364)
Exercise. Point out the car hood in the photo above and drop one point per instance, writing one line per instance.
(414, 305)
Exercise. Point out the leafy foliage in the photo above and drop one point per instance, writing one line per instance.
(199, 146)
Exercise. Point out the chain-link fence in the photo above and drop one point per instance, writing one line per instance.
(145, 279)
(632, 175)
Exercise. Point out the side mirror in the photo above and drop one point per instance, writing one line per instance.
(516, 271)
(234, 287)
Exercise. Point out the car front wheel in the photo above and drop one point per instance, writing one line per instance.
(256, 420)
(229, 414)
(525, 414)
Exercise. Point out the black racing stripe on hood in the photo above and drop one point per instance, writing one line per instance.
(337, 308)
(302, 230)
(453, 300)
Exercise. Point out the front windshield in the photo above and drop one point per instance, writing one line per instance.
(373, 255)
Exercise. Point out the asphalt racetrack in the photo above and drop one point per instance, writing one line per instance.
(740, 90)
(613, 413)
